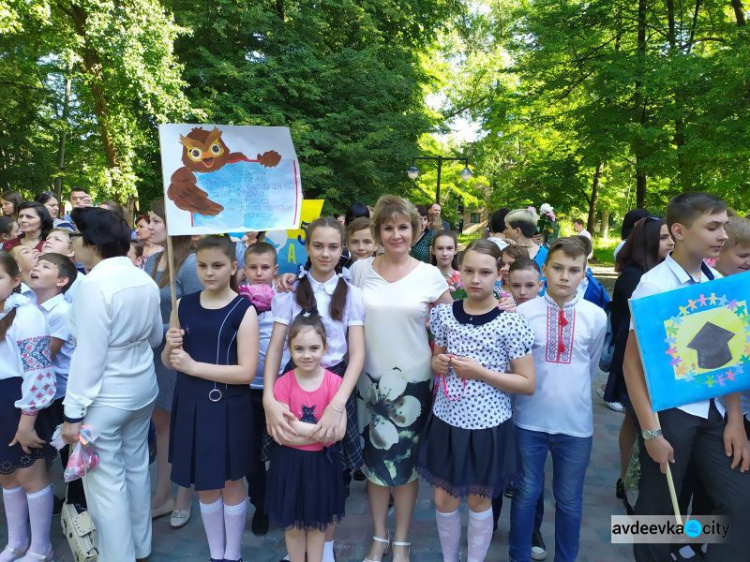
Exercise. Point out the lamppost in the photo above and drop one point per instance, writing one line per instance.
(413, 172)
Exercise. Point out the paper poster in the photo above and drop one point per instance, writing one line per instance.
(290, 244)
(695, 341)
(222, 178)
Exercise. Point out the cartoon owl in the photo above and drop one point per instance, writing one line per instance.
(204, 151)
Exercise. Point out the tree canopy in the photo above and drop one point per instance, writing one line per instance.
(594, 107)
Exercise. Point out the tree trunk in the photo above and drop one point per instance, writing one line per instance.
(679, 126)
(739, 13)
(591, 222)
(92, 66)
(604, 231)
(640, 108)
(63, 138)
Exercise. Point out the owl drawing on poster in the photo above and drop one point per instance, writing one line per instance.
(205, 152)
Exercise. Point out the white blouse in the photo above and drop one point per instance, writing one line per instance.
(25, 353)
(285, 309)
(116, 321)
(567, 344)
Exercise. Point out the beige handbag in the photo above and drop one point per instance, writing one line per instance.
(79, 530)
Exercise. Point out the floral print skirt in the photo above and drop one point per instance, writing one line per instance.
(393, 414)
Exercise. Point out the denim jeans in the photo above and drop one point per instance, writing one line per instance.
(570, 459)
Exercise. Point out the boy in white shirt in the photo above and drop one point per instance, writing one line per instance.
(260, 268)
(558, 418)
(696, 435)
(50, 279)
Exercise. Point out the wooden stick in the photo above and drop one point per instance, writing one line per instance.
(174, 321)
(670, 484)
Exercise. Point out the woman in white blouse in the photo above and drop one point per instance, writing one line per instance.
(112, 385)
(395, 387)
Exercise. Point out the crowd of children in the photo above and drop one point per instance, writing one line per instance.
(295, 383)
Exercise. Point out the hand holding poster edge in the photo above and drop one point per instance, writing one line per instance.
(706, 348)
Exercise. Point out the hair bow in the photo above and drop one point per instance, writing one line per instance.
(15, 300)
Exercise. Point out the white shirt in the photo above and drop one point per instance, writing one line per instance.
(285, 309)
(55, 312)
(745, 402)
(116, 321)
(265, 327)
(567, 344)
(499, 242)
(667, 276)
(24, 352)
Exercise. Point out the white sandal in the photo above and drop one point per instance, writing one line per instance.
(406, 545)
(15, 553)
(386, 550)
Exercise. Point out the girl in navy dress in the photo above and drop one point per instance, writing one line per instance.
(305, 492)
(214, 353)
(481, 355)
(27, 387)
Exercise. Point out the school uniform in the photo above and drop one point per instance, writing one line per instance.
(695, 431)
(212, 423)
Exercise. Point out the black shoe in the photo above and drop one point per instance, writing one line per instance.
(358, 475)
(508, 492)
(390, 501)
(620, 489)
(347, 491)
(259, 526)
(57, 506)
(538, 548)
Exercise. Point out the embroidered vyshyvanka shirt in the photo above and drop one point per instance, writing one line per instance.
(567, 344)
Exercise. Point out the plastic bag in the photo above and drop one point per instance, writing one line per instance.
(83, 457)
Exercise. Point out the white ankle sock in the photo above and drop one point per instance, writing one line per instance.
(328, 552)
(213, 522)
(41, 504)
(234, 523)
(449, 531)
(479, 534)
(17, 515)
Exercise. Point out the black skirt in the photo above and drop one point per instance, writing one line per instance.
(211, 442)
(13, 458)
(305, 489)
(468, 461)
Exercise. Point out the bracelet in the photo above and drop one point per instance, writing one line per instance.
(335, 408)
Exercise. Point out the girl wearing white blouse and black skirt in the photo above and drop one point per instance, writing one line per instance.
(468, 449)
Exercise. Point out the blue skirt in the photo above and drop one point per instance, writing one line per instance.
(305, 489)
(468, 461)
(13, 458)
(211, 442)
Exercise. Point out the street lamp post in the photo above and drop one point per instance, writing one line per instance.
(413, 171)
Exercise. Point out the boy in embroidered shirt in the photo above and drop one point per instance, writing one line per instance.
(696, 435)
(558, 417)
(260, 269)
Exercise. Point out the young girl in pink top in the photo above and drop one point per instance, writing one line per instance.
(305, 491)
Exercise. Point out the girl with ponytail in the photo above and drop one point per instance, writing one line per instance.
(323, 287)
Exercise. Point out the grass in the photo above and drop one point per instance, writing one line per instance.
(603, 251)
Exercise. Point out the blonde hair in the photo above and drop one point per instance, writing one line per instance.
(738, 231)
(525, 219)
(391, 207)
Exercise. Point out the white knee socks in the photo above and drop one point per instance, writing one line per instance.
(41, 504)
(17, 514)
(480, 534)
(449, 530)
(213, 522)
(234, 523)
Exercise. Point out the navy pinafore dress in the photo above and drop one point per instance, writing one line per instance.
(212, 423)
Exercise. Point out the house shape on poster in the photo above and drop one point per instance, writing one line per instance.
(711, 343)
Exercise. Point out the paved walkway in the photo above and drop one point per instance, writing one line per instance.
(189, 544)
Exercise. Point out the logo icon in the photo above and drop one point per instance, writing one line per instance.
(693, 528)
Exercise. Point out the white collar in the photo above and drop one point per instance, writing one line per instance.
(53, 302)
(328, 287)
